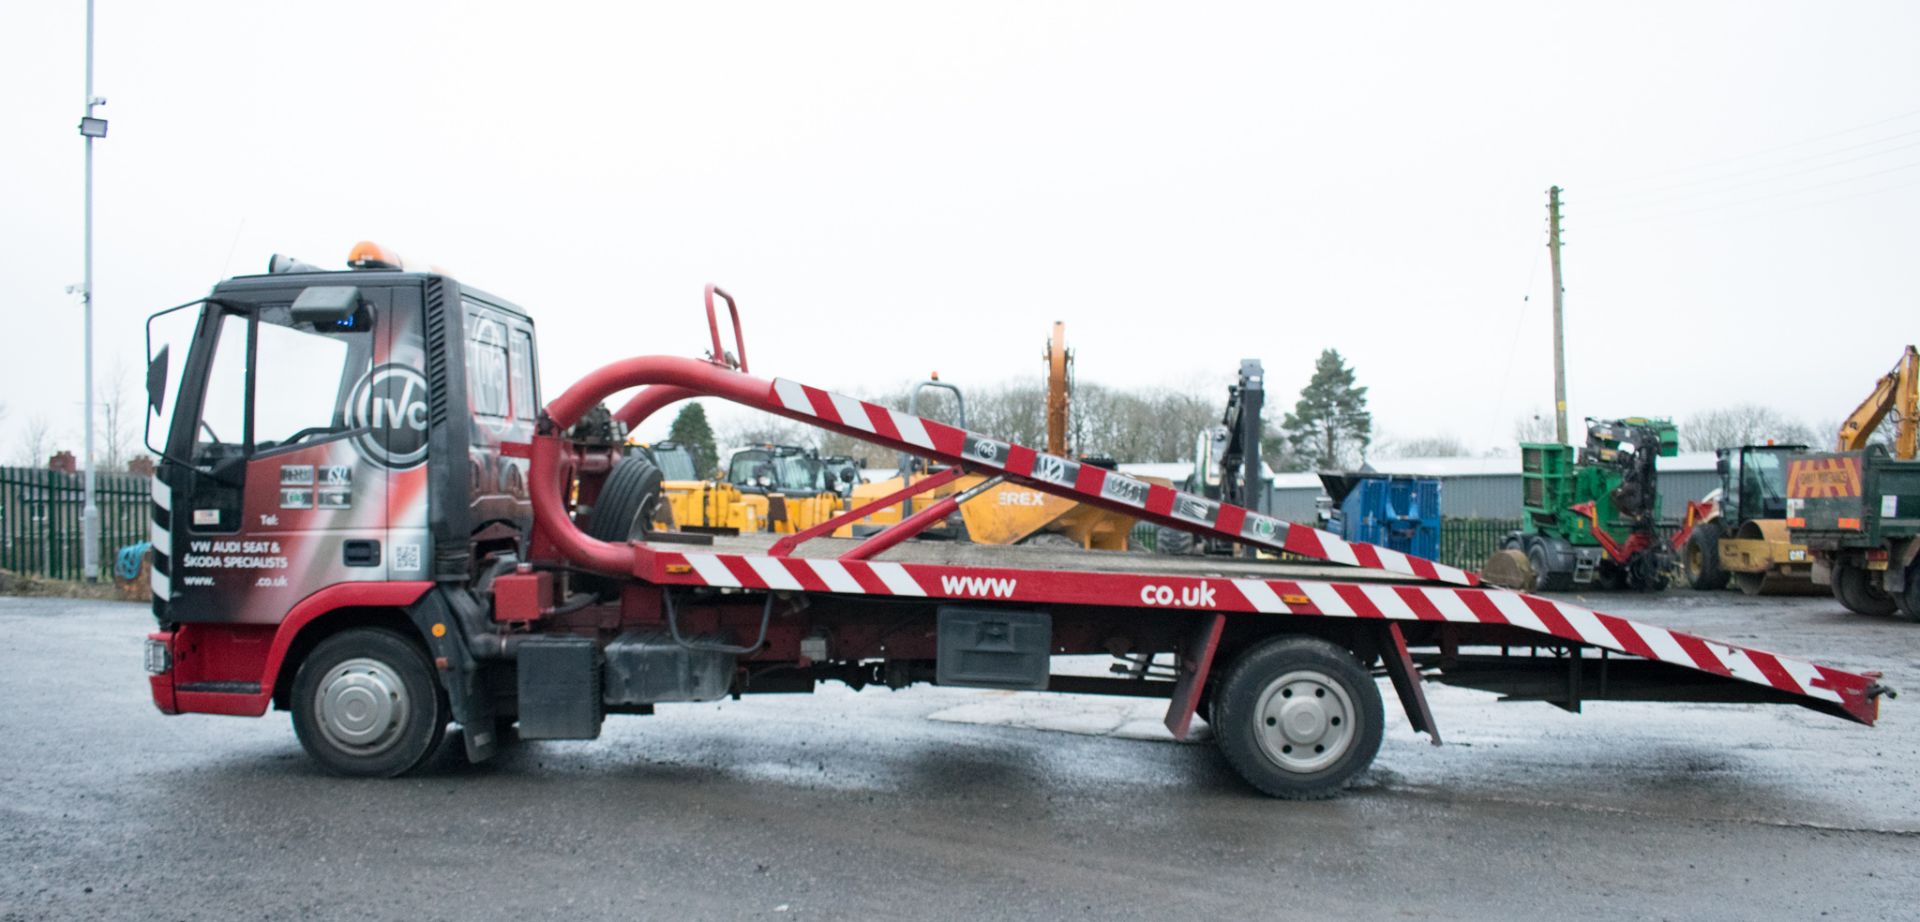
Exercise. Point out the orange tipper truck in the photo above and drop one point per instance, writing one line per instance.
(373, 514)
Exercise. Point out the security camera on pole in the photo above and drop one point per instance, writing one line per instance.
(90, 128)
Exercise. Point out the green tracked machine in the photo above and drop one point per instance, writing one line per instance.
(1590, 514)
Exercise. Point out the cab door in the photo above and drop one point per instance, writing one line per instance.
(271, 491)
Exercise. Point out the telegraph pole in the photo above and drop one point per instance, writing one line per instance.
(1559, 335)
(90, 128)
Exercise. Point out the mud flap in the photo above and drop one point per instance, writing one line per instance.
(459, 672)
(1406, 681)
(1196, 660)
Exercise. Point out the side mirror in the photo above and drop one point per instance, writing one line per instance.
(157, 380)
(326, 303)
(1722, 467)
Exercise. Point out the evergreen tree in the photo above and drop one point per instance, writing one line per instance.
(1330, 427)
(690, 428)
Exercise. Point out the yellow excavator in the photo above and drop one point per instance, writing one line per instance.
(1741, 535)
(1004, 513)
(1897, 393)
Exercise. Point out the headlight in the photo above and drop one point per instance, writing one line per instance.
(159, 658)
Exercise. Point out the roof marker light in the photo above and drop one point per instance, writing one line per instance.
(369, 255)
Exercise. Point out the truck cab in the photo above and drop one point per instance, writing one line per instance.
(313, 446)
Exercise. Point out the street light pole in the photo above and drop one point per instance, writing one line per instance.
(90, 128)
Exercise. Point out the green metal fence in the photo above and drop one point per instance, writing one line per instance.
(40, 519)
(1467, 543)
(1464, 543)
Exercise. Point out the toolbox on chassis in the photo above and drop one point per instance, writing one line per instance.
(365, 516)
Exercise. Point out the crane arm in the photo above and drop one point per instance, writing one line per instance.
(1897, 392)
(1059, 389)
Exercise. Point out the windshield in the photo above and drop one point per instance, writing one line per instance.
(676, 462)
(760, 471)
(300, 377)
(1764, 475)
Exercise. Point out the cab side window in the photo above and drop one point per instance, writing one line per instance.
(487, 366)
(525, 392)
(299, 376)
(221, 431)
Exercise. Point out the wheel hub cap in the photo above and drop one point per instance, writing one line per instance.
(361, 705)
(1305, 721)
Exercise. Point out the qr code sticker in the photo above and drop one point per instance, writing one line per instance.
(406, 557)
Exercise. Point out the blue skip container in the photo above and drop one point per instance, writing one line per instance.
(1392, 511)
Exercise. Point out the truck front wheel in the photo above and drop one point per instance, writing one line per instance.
(365, 702)
(1298, 717)
(1545, 577)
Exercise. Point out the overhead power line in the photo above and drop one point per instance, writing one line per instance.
(1655, 190)
(1758, 153)
(1638, 219)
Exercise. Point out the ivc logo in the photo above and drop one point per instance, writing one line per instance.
(390, 410)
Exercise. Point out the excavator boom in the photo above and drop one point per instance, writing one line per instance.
(1898, 393)
(1059, 389)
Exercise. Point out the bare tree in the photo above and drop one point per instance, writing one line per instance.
(764, 429)
(1537, 426)
(1744, 424)
(116, 430)
(1429, 446)
(36, 443)
(1126, 425)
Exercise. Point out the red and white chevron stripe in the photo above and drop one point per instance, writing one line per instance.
(1101, 487)
(1462, 605)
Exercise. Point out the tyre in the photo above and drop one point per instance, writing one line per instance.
(366, 703)
(1855, 589)
(1701, 559)
(623, 512)
(1172, 541)
(1907, 603)
(1545, 578)
(1298, 717)
(1647, 572)
(1052, 539)
(627, 502)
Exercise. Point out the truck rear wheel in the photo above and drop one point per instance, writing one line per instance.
(1298, 717)
(1907, 603)
(1854, 587)
(1701, 559)
(365, 702)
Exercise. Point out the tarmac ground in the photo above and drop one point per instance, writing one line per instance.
(935, 803)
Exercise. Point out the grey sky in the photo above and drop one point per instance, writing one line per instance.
(896, 188)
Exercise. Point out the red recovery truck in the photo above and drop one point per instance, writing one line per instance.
(366, 515)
